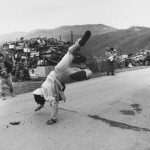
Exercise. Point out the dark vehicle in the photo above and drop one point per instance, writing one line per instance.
(146, 61)
(127, 61)
(138, 60)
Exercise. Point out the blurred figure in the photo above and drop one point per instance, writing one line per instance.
(8, 57)
(111, 55)
(5, 76)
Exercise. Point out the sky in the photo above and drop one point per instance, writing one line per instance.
(28, 15)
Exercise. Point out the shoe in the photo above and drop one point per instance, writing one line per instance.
(4, 98)
(107, 73)
(52, 121)
(113, 74)
(12, 95)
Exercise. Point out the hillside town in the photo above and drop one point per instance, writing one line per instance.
(29, 54)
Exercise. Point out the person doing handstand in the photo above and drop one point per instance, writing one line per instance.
(52, 89)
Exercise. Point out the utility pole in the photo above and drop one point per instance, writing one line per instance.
(71, 37)
(60, 37)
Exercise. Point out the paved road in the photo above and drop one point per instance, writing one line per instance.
(105, 113)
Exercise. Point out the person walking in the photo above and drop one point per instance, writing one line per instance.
(8, 57)
(111, 55)
(5, 78)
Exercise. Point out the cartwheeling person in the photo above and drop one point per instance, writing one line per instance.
(5, 77)
(52, 89)
(111, 55)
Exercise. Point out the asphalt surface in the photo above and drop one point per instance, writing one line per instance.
(104, 113)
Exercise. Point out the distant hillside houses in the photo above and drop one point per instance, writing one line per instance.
(33, 43)
(133, 41)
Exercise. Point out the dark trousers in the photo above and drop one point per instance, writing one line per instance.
(110, 66)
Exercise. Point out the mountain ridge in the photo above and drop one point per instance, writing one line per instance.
(63, 31)
(127, 41)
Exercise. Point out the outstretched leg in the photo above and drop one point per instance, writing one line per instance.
(72, 52)
(63, 69)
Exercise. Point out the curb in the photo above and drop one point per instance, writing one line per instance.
(99, 74)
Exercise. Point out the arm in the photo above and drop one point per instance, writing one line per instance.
(13, 61)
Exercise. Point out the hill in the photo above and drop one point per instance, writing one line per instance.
(11, 36)
(124, 41)
(64, 31)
